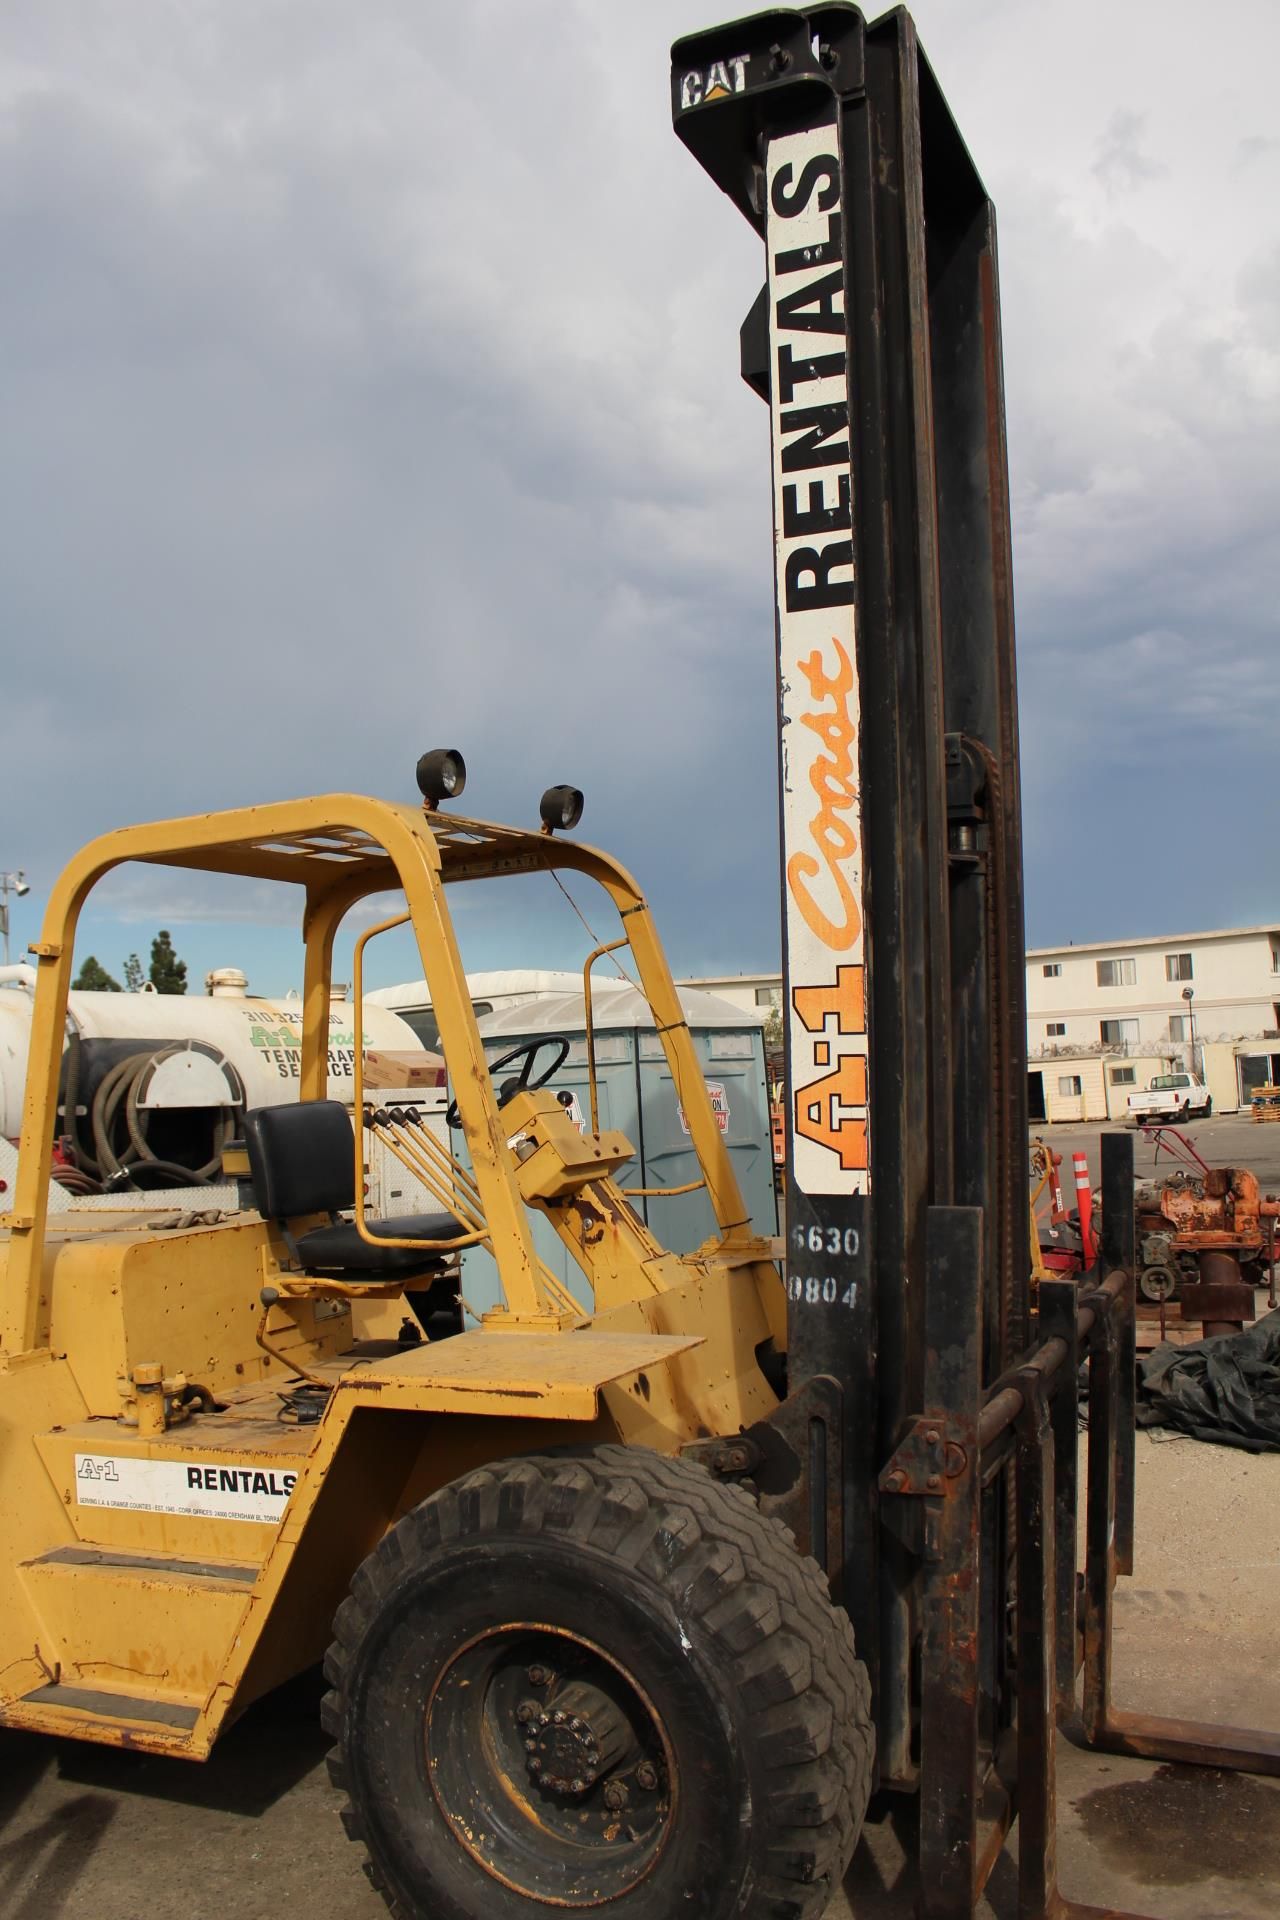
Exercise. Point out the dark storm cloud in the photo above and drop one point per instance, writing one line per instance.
(369, 382)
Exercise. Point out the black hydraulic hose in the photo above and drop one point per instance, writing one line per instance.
(123, 1084)
(106, 1102)
(142, 1175)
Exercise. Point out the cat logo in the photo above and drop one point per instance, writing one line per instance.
(719, 80)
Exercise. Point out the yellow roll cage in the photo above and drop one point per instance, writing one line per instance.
(342, 848)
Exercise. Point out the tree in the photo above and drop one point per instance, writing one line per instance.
(773, 1029)
(94, 978)
(133, 974)
(168, 973)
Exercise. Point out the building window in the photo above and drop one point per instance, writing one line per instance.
(1177, 1026)
(1055, 1028)
(1069, 1086)
(768, 996)
(1117, 973)
(1052, 968)
(1119, 1033)
(1123, 1076)
(1177, 966)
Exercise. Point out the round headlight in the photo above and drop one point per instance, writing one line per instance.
(442, 774)
(561, 808)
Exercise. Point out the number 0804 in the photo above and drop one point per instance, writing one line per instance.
(820, 1290)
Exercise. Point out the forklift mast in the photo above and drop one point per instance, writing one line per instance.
(875, 342)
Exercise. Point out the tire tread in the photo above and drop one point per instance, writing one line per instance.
(765, 1608)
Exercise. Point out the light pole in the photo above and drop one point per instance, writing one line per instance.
(1189, 994)
(10, 883)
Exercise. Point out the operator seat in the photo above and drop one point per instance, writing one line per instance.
(302, 1161)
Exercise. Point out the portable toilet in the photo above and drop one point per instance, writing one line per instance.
(637, 1095)
(491, 992)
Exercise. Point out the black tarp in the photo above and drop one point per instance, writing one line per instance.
(1226, 1389)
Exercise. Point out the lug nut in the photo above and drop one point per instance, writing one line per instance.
(535, 1766)
(538, 1676)
(615, 1795)
(526, 1711)
(647, 1776)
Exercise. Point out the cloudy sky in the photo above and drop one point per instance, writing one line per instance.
(368, 379)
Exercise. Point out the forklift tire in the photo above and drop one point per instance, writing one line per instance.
(601, 1679)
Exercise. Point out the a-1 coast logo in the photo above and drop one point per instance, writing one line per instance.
(833, 778)
(817, 661)
(716, 82)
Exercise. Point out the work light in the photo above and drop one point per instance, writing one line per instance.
(561, 808)
(442, 774)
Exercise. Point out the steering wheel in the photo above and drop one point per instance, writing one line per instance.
(524, 1082)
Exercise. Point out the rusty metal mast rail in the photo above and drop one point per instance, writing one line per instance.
(977, 1775)
(1007, 1400)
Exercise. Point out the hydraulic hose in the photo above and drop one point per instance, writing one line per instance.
(122, 1086)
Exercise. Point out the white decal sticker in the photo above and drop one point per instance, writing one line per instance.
(719, 1106)
(178, 1486)
(814, 560)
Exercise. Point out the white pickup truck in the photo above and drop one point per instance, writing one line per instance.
(1171, 1096)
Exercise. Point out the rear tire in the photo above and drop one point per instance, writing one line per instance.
(713, 1755)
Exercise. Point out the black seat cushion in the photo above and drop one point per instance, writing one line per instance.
(302, 1158)
(340, 1250)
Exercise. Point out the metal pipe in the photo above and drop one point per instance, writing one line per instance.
(650, 1193)
(1006, 1402)
(597, 953)
(357, 1070)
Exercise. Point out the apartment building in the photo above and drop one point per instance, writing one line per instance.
(1103, 1016)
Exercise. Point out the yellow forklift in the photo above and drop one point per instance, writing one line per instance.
(576, 1664)
(591, 1577)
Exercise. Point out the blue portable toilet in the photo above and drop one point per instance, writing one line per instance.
(638, 1096)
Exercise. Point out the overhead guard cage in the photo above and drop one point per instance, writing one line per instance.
(932, 1481)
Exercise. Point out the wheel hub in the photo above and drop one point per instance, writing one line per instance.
(550, 1764)
(574, 1738)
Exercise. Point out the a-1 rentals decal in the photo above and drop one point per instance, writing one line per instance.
(194, 1488)
(813, 539)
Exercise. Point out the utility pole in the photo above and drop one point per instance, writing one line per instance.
(15, 883)
(1189, 994)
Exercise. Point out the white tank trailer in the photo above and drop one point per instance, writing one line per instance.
(153, 1085)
